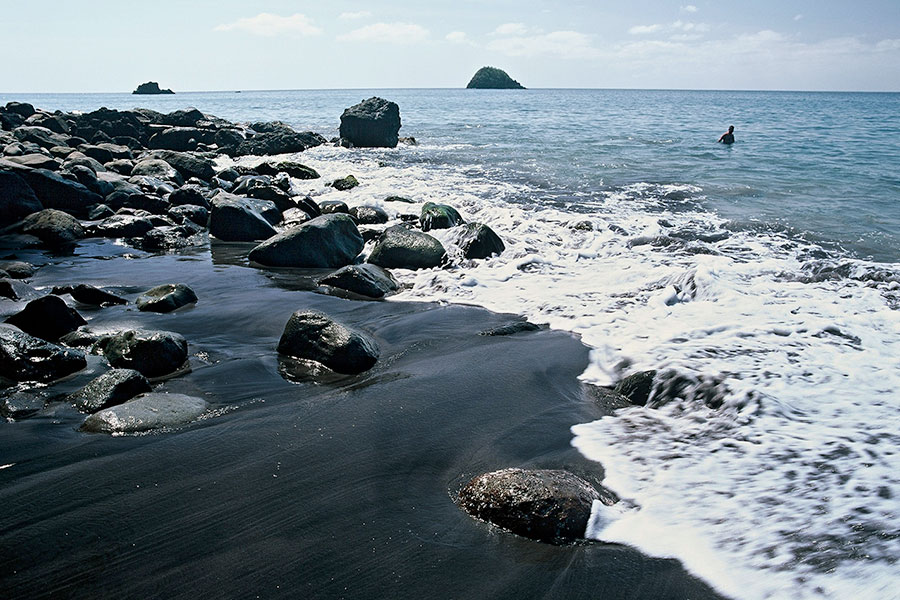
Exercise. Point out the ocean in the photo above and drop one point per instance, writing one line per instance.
(765, 275)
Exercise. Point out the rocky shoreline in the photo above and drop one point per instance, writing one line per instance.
(151, 181)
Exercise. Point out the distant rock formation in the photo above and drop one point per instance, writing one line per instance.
(151, 87)
(492, 78)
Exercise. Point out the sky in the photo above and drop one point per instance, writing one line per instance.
(112, 46)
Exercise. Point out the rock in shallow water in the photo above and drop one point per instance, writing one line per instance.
(112, 388)
(546, 505)
(401, 248)
(153, 353)
(366, 280)
(27, 358)
(312, 335)
(166, 298)
(145, 413)
(327, 241)
(371, 123)
(48, 318)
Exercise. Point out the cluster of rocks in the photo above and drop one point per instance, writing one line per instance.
(150, 179)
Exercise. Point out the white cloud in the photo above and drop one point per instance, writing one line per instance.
(644, 29)
(511, 29)
(362, 14)
(390, 33)
(459, 37)
(798, 17)
(267, 24)
(690, 8)
(562, 44)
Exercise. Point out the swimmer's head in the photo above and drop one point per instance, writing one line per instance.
(731, 129)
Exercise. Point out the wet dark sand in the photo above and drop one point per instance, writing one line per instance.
(305, 490)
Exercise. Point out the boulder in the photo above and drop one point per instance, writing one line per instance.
(122, 226)
(326, 241)
(27, 358)
(373, 123)
(54, 123)
(279, 142)
(21, 404)
(17, 199)
(55, 191)
(182, 139)
(439, 216)
(23, 109)
(369, 215)
(188, 195)
(48, 318)
(113, 387)
(550, 506)
(145, 413)
(294, 169)
(166, 298)
(78, 159)
(41, 136)
(122, 167)
(93, 296)
(312, 335)
(401, 248)
(366, 280)
(344, 183)
(189, 212)
(88, 178)
(151, 87)
(637, 387)
(188, 164)
(16, 290)
(54, 228)
(100, 153)
(237, 219)
(479, 241)
(17, 269)
(160, 169)
(492, 78)
(329, 207)
(36, 161)
(153, 353)
(510, 329)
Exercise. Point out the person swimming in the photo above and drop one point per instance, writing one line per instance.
(728, 136)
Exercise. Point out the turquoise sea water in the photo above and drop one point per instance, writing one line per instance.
(766, 274)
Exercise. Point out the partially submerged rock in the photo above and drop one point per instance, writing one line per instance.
(402, 248)
(48, 318)
(637, 387)
(312, 335)
(27, 358)
(439, 216)
(344, 183)
(113, 387)
(546, 505)
(88, 294)
(237, 219)
(365, 280)
(477, 240)
(145, 413)
(370, 124)
(54, 228)
(17, 199)
(327, 241)
(153, 353)
(166, 298)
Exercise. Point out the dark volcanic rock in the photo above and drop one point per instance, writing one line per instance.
(637, 387)
(145, 413)
(330, 207)
(369, 215)
(237, 219)
(122, 226)
(511, 328)
(153, 353)
(17, 200)
(54, 228)
(158, 168)
(366, 280)
(151, 87)
(48, 318)
(36, 161)
(294, 169)
(479, 241)
(27, 358)
(23, 109)
(188, 195)
(17, 269)
(280, 142)
(93, 296)
(113, 387)
(312, 335)
(189, 212)
(372, 123)
(55, 191)
(344, 183)
(493, 78)
(439, 216)
(182, 139)
(188, 164)
(41, 136)
(21, 404)
(16, 290)
(401, 248)
(166, 298)
(550, 506)
(326, 241)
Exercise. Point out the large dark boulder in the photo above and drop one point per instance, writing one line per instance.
(41, 136)
(48, 318)
(55, 191)
(369, 215)
(344, 183)
(326, 241)
(153, 353)
(439, 216)
(477, 240)
(312, 335)
(294, 169)
(36, 161)
(113, 387)
(23, 109)
(372, 123)
(188, 165)
(16, 290)
(366, 280)
(151, 87)
(188, 195)
(492, 78)
(54, 228)
(146, 413)
(181, 139)
(166, 298)
(17, 199)
(92, 296)
(637, 387)
(54, 123)
(402, 248)
(27, 358)
(550, 506)
(185, 117)
(277, 142)
(122, 226)
(238, 219)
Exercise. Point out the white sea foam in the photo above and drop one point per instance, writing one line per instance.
(787, 485)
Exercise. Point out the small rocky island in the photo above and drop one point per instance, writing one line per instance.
(151, 87)
(492, 78)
